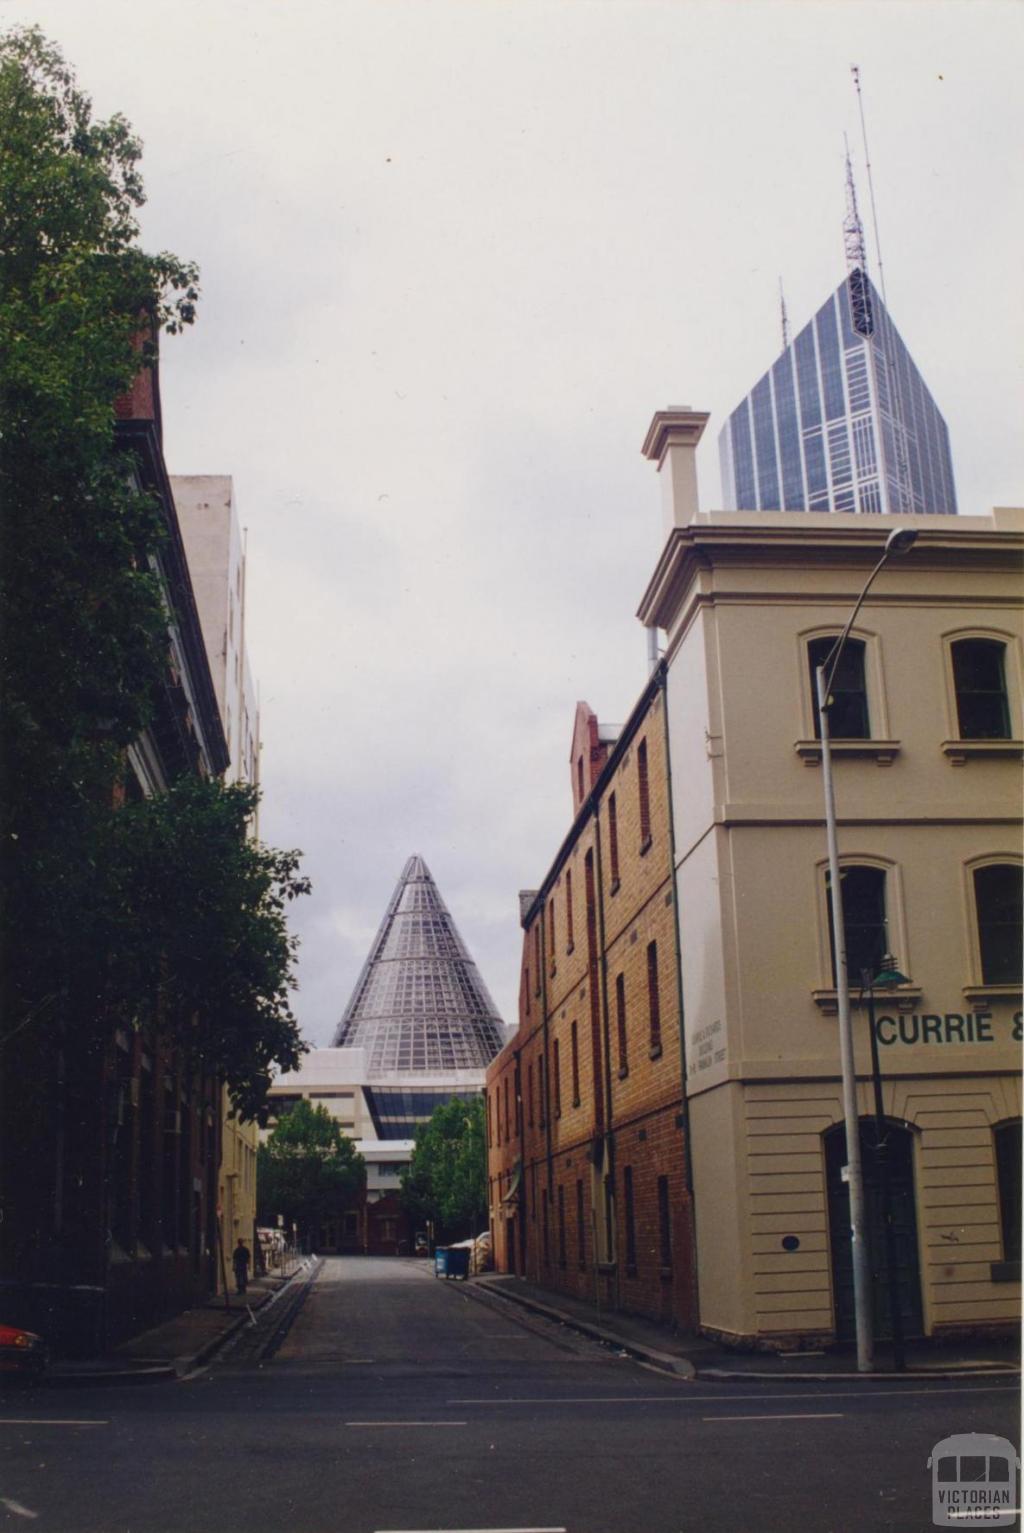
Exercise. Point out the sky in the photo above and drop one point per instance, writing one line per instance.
(454, 256)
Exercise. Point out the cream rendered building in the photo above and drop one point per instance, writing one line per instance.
(928, 790)
(216, 559)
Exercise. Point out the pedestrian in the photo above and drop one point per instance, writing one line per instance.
(240, 1262)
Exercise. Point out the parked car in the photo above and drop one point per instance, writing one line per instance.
(22, 1352)
(420, 1244)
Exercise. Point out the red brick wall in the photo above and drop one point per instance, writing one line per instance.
(557, 1147)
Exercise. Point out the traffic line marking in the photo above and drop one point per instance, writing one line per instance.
(684, 1398)
(782, 1416)
(405, 1423)
(49, 1421)
(472, 1530)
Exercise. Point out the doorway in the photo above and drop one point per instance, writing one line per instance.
(903, 1210)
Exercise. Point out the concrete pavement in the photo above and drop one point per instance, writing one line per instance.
(397, 1403)
(697, 1357)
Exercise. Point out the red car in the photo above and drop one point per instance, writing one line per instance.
(21, 1352)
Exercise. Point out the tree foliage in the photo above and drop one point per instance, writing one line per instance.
(92, 899)
(309, 1170)
(447, 1177)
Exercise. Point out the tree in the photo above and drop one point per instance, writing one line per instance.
(99, 903)
(447, 1177)
(309, 1171)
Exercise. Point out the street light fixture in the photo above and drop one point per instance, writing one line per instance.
(898, 542)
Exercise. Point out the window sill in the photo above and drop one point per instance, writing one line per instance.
(607, 1269)
(654, 1052)
(665, 1273)
(645, 846)
(575, 1101)
(570, 949)
(615, 885)
(623, 1072)
(993, 992)
(883, 751)
(1005, 1272)
(959, 750)
(553, 970)
(904, 997)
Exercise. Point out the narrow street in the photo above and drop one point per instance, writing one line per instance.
(399, 1402)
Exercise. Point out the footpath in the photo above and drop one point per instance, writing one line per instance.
(698, 1357)
(185, 1342)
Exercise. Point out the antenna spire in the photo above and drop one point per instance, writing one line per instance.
(855, 71)
(784, 317)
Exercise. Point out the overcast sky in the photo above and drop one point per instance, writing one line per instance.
(453, 257)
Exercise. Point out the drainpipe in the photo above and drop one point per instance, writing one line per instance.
(685, 1111)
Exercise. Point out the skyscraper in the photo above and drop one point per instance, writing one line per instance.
(843, 421)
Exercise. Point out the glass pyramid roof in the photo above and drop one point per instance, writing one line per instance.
(420, 1003)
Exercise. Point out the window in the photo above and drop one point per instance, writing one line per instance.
(627, 1200)
(653, 999)
(497, 1109)
(620, 1023)
(864, 921)
(579, 778)
(664, 1225)
(644, 795)
(609, 1221)
(1008, 1169)
(551, 933)
(544, 1230)
(848, 713)
(527, 973)
(998, 890)
(537, 957)
(561, 1225)
(517, 1093)
(542, 1088)
(613, 842)
(558, 1079)
(508, 1118)
(487, 1103)
(569, 944)
(979, 680)
(581, 1236)
(575, 1046)
(529, 1093)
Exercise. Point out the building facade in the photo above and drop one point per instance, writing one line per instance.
(418, 1031)
(842, 421)
(588, 1175)
(929, 739)
(111, 1141)
(216, 555)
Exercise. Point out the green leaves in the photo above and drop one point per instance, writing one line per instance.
(308, 1170)
(161, 914)
(447, 1177)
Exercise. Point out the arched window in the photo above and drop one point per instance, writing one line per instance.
(864, 920)
(979, 680)
(848, 713)
(999, 908)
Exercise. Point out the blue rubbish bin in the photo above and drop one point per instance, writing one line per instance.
(441, 1262)
(458, 1262)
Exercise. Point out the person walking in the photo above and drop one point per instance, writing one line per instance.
(240, 1262)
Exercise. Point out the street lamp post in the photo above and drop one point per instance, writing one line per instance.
(896, 543)
(889, 975)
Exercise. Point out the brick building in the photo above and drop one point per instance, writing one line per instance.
(110, 1139)
(588, 1176)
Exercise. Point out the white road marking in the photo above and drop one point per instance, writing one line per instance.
(49, 1421)
(472, 1530)
(16, 1507)
(405, 1423)
(684, 1398)
(782, 1416)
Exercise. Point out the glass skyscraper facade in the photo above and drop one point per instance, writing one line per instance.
(843, 421)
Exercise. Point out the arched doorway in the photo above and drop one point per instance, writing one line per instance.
(903, 1211)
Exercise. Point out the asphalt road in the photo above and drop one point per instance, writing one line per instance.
(398, 1403)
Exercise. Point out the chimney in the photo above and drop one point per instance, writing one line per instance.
(671, 442)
